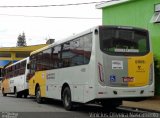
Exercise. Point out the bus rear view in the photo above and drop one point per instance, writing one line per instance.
(104, 65)
(125, 63)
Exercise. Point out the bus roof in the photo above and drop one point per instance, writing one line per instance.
(17, 62)
(64, 40)
(81, 34)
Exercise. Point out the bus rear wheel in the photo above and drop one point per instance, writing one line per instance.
(25, 95)
(67, 101)
(38, 95)
(4, 94)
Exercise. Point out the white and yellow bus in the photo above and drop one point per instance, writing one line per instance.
(105, 64)
(14, 80)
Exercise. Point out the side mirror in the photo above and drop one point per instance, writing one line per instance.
(28, 66)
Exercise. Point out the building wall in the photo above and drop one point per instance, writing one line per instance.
(136, 13)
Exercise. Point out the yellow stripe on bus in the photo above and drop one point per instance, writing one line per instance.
(6, 85)
(138, 69)
(38, 78)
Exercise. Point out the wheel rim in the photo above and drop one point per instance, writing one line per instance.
(38, 95)
(16, 94)
(67, 99)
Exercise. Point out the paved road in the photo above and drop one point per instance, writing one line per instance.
(13, 107)
(13, 104)
(10, 105)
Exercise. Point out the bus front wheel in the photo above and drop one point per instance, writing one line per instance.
(25, 95)
(67, 101)
(38, 95)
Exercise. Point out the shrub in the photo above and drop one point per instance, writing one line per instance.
(157, 75)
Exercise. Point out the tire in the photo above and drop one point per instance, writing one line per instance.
(17, 94)
(4, 94)
(38, 95)
(25, 95)
(67, 101)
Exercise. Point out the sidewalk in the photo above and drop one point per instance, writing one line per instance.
(150, 104)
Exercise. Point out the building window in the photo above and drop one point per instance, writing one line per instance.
(156, 16)
(5, 54)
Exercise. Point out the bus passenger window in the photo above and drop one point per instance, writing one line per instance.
(87, 48)
(55, 57)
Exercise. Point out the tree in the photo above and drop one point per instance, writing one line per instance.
(21, 40)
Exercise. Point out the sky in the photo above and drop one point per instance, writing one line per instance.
(38, 29)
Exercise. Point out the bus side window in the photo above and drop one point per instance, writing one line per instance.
(33, 65)
(77, 52)
(87, 47)
(66, 54)
(142, 45)
(56, 57)
(23, 66)
(45, 61)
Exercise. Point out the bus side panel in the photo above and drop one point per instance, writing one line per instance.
(18, 82)
(31, 85)
(76, 77)
(25, 83)
(38, 79)
(53, 84)
(5, 85)
(12, 84)
(89, 87)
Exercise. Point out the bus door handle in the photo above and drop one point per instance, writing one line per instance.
(83, 69)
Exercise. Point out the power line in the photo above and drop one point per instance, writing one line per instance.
(59, 5)
(87, 18)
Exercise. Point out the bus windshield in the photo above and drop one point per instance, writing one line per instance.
(121, 41)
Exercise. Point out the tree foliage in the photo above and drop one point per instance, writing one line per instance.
(21, 40)
(157, 75)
